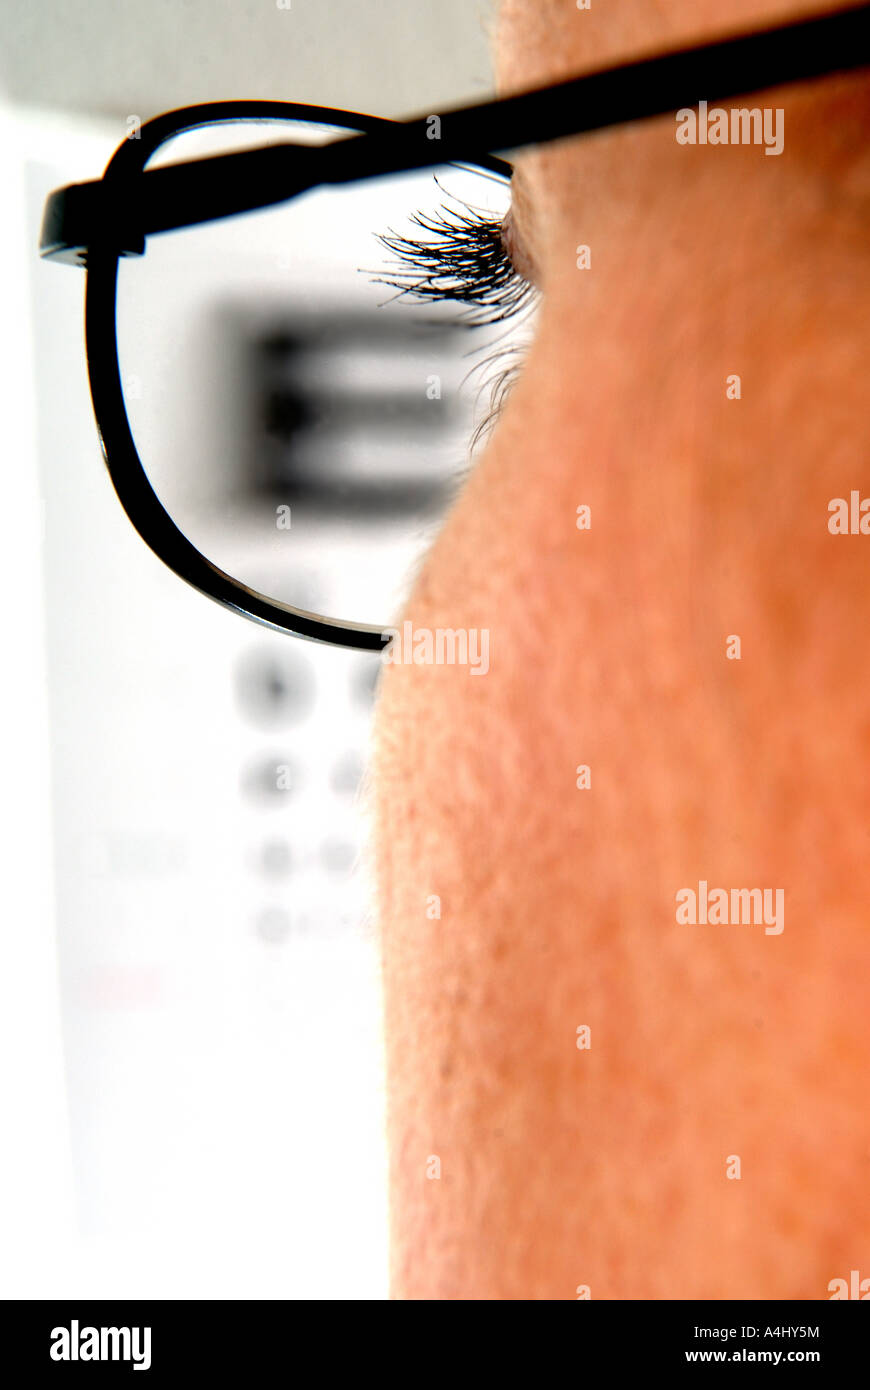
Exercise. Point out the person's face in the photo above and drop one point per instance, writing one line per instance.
(555, 901)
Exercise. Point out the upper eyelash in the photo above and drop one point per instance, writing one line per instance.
(463, 260)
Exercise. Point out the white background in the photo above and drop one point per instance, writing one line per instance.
(187, 1112)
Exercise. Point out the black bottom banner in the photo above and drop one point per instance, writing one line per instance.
(162, 1339)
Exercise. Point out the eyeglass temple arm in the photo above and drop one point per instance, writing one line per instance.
(122, 212)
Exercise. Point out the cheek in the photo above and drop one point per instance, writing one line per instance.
(476, 792)
(516, 906)
(464, 756)
(474, 771)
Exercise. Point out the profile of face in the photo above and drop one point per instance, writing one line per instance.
(623, 873)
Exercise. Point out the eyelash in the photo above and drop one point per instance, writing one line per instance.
(463, 260)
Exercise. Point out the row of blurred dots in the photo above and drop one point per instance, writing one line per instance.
(276, 857)
(272, 777)
(278, 691)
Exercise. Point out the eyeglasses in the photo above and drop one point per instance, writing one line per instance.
(237, 366)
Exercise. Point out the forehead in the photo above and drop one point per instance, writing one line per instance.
(540, 41)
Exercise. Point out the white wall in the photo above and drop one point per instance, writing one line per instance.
(389, 57)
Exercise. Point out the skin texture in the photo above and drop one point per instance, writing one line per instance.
(607, 1167)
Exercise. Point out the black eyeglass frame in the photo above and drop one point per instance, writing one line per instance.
(94, 224)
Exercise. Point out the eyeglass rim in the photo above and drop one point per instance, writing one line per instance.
(129, 478)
